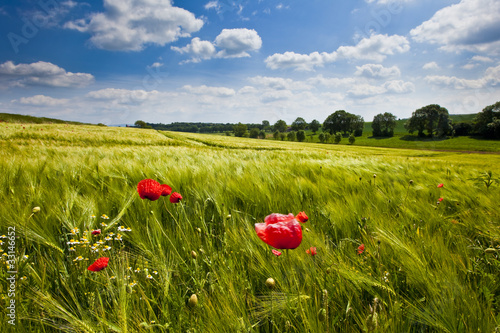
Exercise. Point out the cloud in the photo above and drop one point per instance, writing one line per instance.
(41, 100)
(211, 91)
(198, 49)
(122, 96)
(42, 73)
(431, 65)
(373, 48)
(129, 25)
(377, 71)
(232, 43)
(479, 58)
(399, 87)
(279, 83)
(235, 43)
(470, 25)
(491, 77)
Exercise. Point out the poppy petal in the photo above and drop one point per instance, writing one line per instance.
(99, 264)
(149, 189)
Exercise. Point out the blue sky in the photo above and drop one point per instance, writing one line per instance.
(118, 61)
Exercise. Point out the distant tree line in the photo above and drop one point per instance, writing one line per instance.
(431, 120)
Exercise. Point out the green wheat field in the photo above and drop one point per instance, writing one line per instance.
(428, 265)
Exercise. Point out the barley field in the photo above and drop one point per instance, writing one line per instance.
(386, 247)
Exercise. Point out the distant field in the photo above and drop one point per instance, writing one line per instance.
(22, 119)
(393, 250)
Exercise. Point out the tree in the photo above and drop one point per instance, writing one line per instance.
(262, 134)
(431, 118)
(301, 136)
(352, 139)
(299, 124)
(282, 136)
(327, 137)
(342, 121)
(321, 137)
(266, 125)
(240, 130)
(142, 124)
(254, 133)
(383, 124)
(338, 137)
(280, 126)
(314, 126)
(291, 136)
(488, 122)
(276, 135)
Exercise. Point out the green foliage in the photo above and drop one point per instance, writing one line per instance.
(142, 124)
(487, 122)
(352, 139)
(291, 136)
(299, 124)
(301, 136)
(254, 133)
(342, 121)
(282, 136)
(383, 124)
(426, 267)
(487, 179)
(321, 137)
(262, 134)
(240, 130)
(314, 126)
(338, 137)
(431, 118)
(280, 126)
(276, 135)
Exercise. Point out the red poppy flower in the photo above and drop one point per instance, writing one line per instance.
(302, 217)
(311, 251)
(440, 185)
(149, 189)
(440, 199)
(96, 232)
(361, 248)
(165, 190)
(175, 198)
(276, 253)
(99, 264)
(280, 231)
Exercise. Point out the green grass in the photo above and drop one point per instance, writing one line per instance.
(425, 268)
(25, 119)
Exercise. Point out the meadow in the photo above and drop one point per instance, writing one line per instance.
(385, 248)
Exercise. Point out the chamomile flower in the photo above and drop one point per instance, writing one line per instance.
(104, 217)
(3, 236)
(103, 224)
(75, 231)
(79, 258)
(72, 249)
(133, 284)
(118, 237)
(149, 276)
(106, 248)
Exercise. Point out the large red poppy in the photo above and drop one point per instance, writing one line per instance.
(99, 264)
(280, 231)
(302, 217)
(149, 189)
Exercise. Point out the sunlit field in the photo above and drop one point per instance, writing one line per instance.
(385, 249)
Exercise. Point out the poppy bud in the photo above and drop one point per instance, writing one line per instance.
(270, 283)
(35, 210)
(193, 255)
(322, 314)
(193, 301)
(411, 182)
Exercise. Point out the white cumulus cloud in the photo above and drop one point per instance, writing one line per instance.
(431, 65)
(471, 25)
(374, 48)
(122, 96)
(42, 73)
(129, 25)
(211, 91)
(377, 71)
(232, 43)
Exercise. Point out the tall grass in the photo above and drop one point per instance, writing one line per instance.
(427, 267)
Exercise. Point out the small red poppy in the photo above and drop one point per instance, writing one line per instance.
(440, 199)
(280, 231)
(311, 251)
(302, 217)
(361, 248)
(276, 253)
(99, 264)
(440, 185)
(175, 198)
(96, 232)
(149, 189)
(165, 190)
